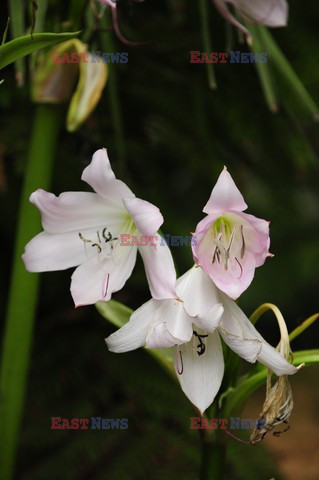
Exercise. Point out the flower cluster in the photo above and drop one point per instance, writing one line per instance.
(191, 314)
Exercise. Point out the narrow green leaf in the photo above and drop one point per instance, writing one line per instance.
(22, 46)
(115, 312)
(286, 70)
(301, 328)
(264, 73)
(5, 33)
(118, 314)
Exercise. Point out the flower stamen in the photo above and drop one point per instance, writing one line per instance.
(201, 347)
(98, 245)
(106, 280)
(223, 252)
(243, 248)
(179, 370)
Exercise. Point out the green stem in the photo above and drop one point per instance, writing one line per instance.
(17, 26)
(213, 458)
(213, 448)
(207, 43)
(24, 287)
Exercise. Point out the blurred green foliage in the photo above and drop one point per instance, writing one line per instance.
(178, 135)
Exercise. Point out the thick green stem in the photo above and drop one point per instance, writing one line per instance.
(213, 447)
(213, 457)
(24, 287)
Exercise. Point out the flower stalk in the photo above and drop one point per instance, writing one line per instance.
(207, 43)
(24, 287)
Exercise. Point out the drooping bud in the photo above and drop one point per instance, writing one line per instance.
(55, 74)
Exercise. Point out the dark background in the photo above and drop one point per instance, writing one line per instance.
(177, 136)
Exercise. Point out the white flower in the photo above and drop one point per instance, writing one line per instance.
(193, 321)
(273, 13)
(83, 229)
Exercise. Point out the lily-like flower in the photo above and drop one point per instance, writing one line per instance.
(83, 229)
(230, 244)
(193, 322)
(273, 13)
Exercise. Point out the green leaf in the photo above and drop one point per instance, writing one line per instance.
(22, 46)
(119, 314)
(115, 312)
(301, 328)
(265, 74)
(283, 66)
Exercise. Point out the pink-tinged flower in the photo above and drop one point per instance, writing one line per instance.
(83, 229)
(273, 13)
(230, 244)
(193, 322)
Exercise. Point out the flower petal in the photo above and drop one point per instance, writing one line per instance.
(200, 376)
(237, 278)
(223, 10)
(240, 334)
(159, 269)
(256, 236)
(273, 13)
(160, 337)
(76, 211)
(100, 176)
(225, 196)
(209, 321)
(248, 349)
(178, 322)
(272, 359)
(48, 252)
(134, 333)
(146, 216)
(197, 291)
(97, 279)
(92, 80)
